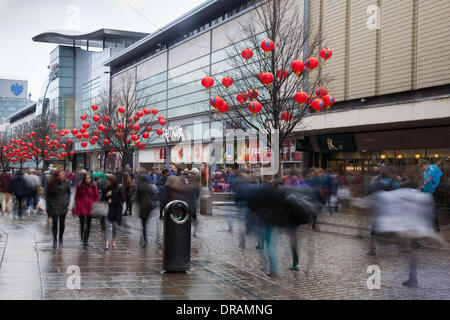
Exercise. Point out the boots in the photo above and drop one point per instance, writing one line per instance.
(55, 243)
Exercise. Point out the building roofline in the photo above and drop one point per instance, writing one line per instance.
(189, 16)
(68, 37)
(24, 110)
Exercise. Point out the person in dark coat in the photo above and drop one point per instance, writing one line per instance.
(145, 195)
(162, 189)
(113, 194)
(127, 185)
(19, 189)
(58, 199)
(86, 195)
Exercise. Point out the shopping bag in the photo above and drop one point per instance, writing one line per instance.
(99, 210)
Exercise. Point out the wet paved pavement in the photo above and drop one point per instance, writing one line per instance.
(333, 266)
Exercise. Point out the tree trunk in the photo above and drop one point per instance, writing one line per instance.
(104, 161)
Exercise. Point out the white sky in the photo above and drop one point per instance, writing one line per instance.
(20, 20)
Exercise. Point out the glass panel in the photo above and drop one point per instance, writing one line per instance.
(202, 95)
(188, 110)
(152, 80)
(186, 89)
(190, 66)
(196, 75)
(66, 61)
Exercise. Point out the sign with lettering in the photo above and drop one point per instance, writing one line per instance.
(174, 133)
(54, 72)
(336, 143)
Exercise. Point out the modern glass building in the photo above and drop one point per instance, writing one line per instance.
(77, 76)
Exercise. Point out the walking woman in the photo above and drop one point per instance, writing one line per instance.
(113, 194)
(58, 198)
(127, 185)
(146, 200)
(85, 197)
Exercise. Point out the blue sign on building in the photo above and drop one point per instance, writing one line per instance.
(16, 89)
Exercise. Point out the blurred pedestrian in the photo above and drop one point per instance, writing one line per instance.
(127, 185)
(86, 195)
(5, 187)
(33, 182)
(57, 198)
(19, 189)
(146, 200)
(113, 194)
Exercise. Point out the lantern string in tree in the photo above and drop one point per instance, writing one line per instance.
(298, 67)
(325, 54)
(247, 54)
(254, 107)
(227, 82)
(312, 63)
(207, 82)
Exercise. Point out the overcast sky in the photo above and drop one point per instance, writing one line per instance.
(20, 20)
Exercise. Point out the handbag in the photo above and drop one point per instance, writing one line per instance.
(99, 210)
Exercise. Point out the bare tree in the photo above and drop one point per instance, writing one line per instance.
(122, 132)
(281, 22)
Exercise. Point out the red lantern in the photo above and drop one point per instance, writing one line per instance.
(282, 74)
(127, 140)
(86, 125)
(33, 133)
(84, 144)
(69, 141)
(72, 153)
(207, 82)
(83, 117)
(28, 135)
(145, 135)
(253, 94)
(254, 107)
(298, 67)
(301, 97)
(163, 122)
(96, 118)
(47, 137)
(52, 125)
(154, 111)
(106, 142)
(216, 102)
(312, 63)
(94, 107)
(326, 53)
(286, 116)
(121, 109)
(247, 54)
(82, 130)
(148, 129)
(227, 82)
(136, 126)
(79, 136)
(267, 78)
(86, 135)
(317, 104)
(267, 45)
(101, 127)
(321, 92)
(120, 126)
(328, 100)
(134, 137)
(95, 138)
(241, 97)
(159, 132)
(92, 141)
(106, 119)
(224, 108)
(146, 110)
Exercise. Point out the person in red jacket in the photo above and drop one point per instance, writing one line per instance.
(85, 197)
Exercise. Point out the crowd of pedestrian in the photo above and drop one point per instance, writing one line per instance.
(264, 202)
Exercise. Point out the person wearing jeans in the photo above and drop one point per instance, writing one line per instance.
(86, 195)
(113, 194)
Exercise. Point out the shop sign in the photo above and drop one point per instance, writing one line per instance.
(173, 133)
(336, 143)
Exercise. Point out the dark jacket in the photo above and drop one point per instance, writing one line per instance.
(146, 199)
(5, 182)
(19, 187)
(116, 206)
(58, 199)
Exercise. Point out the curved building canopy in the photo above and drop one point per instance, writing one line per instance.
(102, 38)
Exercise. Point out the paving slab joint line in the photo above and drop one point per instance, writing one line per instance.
(39, 268)
(3, 232)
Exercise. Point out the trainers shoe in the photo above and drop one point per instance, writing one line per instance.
(294, 268)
